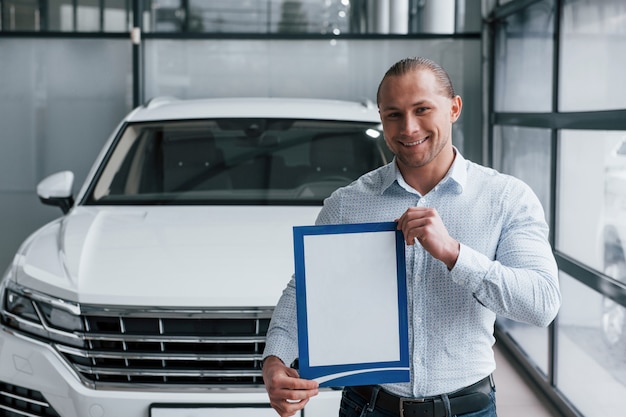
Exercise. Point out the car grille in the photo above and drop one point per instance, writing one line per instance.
(21, 402)
(158, 347)
(220, 348)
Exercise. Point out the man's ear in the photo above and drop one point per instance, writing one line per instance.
(455, 108)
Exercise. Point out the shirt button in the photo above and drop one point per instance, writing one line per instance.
(418, 320)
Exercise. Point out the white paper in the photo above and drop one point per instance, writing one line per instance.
(351, 298)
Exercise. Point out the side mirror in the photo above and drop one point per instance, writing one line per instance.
(56, 190)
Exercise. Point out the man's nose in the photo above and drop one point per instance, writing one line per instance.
(410, 125)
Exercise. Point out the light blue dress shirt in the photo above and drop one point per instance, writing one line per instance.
(505, 267)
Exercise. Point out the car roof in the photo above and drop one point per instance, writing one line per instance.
(167, 108)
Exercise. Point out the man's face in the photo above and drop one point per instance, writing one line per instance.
(417, 117)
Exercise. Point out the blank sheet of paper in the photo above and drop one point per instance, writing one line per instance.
(351, 298)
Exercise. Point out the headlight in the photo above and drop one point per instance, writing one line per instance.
(61, 319)
(42, 316)
(21, 306)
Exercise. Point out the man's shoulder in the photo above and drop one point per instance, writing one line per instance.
(490, 179)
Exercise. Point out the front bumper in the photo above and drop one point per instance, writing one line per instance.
(33, 369)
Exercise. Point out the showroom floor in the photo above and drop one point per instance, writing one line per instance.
(516, 397)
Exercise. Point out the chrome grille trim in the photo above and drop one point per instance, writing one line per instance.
(164, 372)
(167, 339)
(155, 356)
(167, 347)
(122, 347)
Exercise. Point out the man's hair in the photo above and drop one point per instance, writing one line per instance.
(407, 65)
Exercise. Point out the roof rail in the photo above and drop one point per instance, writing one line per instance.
(157, 101)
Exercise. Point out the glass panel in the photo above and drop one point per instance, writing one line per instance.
(523, 60)
(532, 340)
(591, 369)
(333, 17)
(20, 15)
(166, 16)
(116, 16)
(341, 69)
(316, 16)
(60, 15)
(592, 201)
(468, 16)
(54, 116)
(593, 29)
(526, 154)
(88, 16)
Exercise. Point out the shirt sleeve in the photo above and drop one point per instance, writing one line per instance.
(282, 334)
(521, 283)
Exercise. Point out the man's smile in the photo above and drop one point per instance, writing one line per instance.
(415, 143)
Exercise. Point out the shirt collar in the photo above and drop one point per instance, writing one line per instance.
(456, 174)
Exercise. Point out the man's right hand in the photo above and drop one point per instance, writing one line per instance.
(287, 391)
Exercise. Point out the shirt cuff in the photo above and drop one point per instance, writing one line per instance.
(471, 268)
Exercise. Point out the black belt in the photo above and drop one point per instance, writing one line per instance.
(466, 400)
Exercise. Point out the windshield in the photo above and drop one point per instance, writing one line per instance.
(236, 161)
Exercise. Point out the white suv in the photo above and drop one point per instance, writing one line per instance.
(152, 294)
(614, 243)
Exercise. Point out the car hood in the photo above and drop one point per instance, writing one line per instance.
(165, 256)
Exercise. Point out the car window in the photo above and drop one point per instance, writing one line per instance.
(236, 161)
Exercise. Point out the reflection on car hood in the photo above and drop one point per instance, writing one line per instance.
(165, 256)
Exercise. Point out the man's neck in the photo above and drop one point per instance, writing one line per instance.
(425, 178)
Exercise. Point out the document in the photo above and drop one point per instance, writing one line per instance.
(351, 304)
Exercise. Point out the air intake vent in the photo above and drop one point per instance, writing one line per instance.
(21, 402)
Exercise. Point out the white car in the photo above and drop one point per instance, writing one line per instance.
(152, 294)
(614, 244)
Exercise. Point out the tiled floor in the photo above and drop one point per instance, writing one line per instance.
(515, 396)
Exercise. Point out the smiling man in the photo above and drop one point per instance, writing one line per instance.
(476, 247)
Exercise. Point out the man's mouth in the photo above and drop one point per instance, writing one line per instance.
(417, 142)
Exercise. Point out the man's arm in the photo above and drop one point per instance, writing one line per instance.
(521, 283)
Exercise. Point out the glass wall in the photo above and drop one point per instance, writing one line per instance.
(285, 17)
(59, 101)
(591, 368)
(524, 48)
(342, 68)
(593, 57)
(558, 122)
(599, 240)
(526, 153)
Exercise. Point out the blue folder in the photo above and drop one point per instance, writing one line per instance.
(351, 304)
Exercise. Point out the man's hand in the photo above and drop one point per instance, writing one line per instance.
(425, 225)
(287, 391)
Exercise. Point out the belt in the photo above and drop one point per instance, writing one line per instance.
(466, 400)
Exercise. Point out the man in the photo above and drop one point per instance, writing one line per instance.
(476, 247)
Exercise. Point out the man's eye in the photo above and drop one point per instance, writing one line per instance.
(421, 109)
